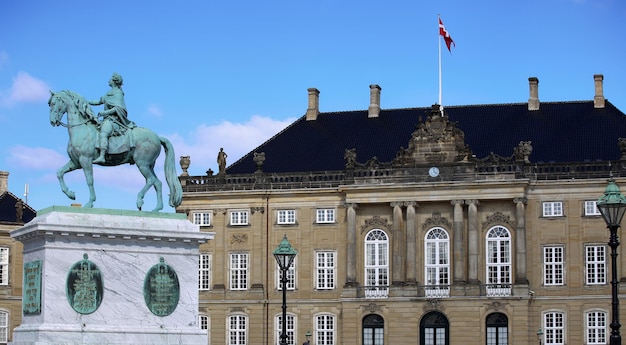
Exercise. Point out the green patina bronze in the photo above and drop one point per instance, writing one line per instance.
(31, 299)
(161, 289)
(84, 287)
(113, 141)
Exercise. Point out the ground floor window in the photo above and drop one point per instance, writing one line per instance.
(497, 329)
(373, 330)
(434, 329)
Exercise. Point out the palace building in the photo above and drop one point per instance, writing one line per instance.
(471, 224)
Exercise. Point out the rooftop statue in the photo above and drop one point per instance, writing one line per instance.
(113, 141)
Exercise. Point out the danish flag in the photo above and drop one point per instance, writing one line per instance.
(446, 35)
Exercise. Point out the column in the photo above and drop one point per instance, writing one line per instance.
(459, 244)
(520, 241)
(472, 240)
(397, 261)
(351, 245)
(411, 245)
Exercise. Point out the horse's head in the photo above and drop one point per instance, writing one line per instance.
(58, 107)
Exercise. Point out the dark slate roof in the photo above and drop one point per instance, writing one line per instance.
(559, 131)
(7, 209)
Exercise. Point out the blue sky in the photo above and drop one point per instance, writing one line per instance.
(211, 74)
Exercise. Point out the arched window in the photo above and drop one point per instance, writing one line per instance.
(376, 264)
(596, 327)
(324, 329)
(237, 329)
(437, 270)
(291, 328)
(373, 330)
(434, 329)
(498, 261)
(497, 329)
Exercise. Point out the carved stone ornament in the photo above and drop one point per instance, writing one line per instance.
(436, 220)
(371, 308)
(433, 304)
(239, 239)
(497, 218)
(495, 306)
(376, 222)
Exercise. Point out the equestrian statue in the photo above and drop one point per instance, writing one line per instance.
(112, 141)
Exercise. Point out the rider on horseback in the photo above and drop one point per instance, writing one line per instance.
(114, 115)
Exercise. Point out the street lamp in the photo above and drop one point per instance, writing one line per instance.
(284, 255)
(308, 338)
(612, 206)
(539, 335)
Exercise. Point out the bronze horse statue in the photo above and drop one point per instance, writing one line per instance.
(144, 146)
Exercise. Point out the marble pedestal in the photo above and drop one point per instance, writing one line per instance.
(124, 245)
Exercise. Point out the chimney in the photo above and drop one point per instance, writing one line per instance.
(314, 104)
(533, 101)
(4, 182)
(374, 108)
(598, 99)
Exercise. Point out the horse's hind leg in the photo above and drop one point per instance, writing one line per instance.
(151, 180)
(69, 166)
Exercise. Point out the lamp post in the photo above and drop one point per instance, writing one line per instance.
(284, 256)
(539, 335)
(612, 206)
(308, 338)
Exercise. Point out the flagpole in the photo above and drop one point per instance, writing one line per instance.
(439, 46)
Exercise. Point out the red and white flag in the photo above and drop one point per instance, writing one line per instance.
(446, 35)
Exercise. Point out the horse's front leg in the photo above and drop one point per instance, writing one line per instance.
(88, 170)
(69, 166)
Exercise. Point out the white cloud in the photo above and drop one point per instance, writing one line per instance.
(25, 88)
(237, 139)
(154, 110)
(36, 158)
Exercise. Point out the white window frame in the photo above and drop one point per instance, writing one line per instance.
(205, 265)
(4, 326)
(595, 264)
(291, 328)
(202, 218)
(498, 261)
(239, 217)
(552, 208)
(554, 328)
(325, 215)
(325, 329)
(596, 327)
(237, 326)
(291, 276)
(437, 262)
(204, 322)
(284, 217)
(325, 269)
(591, 208)
(553, 265)
(239, 271)
(376, 275)
(4, 265)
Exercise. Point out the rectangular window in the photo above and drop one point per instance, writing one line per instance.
(554, 326)
(553, 209)
(325, 215)
(238, 271)
(4, 266)
(202, 218)
(291, 276)
(4, 327)
(591, 209)
(204, 272)
(237, 330)
(203, 321)
(595, 265)
(325, 270)
(238, 217)
(596, 328)
(286, 216)
(553, 266)
(325, 329)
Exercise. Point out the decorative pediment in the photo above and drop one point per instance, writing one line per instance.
(376, 222)
(497, 218)
(433, 304)
(436, 220)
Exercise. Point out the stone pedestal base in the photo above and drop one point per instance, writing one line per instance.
(124, 246)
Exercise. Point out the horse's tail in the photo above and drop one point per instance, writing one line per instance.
(176, 190)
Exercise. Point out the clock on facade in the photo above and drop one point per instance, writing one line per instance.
(433, 172)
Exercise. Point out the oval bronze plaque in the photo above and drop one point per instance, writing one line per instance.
(161, 289)
(84, 286)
